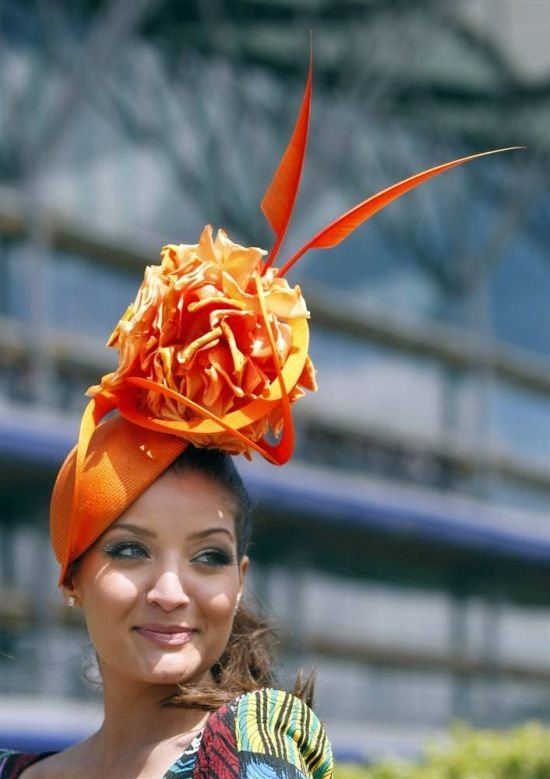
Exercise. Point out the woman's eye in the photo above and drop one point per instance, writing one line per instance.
(214, 558)
(126, 550)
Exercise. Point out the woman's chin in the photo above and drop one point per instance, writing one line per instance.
(168, 673)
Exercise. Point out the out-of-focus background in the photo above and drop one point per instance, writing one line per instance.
(406, 549)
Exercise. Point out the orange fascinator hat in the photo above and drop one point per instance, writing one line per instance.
(212, 352)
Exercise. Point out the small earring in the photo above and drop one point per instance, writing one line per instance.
(71, 601)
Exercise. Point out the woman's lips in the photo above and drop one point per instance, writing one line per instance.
(169, 635)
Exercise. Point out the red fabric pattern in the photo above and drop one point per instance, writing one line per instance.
(12, 764)
(218, 757)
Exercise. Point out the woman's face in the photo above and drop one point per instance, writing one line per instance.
(160, 587)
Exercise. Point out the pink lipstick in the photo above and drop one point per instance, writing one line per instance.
(166, 635)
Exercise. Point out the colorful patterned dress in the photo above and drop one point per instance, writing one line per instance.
(267, 734)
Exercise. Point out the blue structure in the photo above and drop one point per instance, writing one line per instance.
(407, 547)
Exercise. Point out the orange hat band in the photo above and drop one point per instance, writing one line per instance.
(121, 462)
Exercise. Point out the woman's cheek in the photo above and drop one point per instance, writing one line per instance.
(219, 603)
(114, 588)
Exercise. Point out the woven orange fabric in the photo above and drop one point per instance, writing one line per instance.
(122, 461)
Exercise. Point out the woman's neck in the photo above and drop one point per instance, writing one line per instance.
(136, 723)
(139, 737)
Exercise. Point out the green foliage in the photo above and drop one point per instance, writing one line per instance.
(523, 753)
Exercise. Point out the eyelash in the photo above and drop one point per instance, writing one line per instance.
(212, 558)
(215, 558)
(116, 550)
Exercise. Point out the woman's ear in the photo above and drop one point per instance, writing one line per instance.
(70, 590)
(243, 568)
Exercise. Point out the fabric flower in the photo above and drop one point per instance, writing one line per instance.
(196, 327)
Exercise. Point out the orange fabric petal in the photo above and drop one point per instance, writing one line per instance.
(196, 324)
(283, 449)
(192, 432)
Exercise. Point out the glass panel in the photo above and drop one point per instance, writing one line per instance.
(520, 292)
(507, 492)
(370, 267)
(353, 691)
(519, 422)
(361, 613)
(14, 297)
(88, 296)
(525, 636)
(364, 384)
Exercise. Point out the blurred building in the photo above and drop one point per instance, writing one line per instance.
(407, 548)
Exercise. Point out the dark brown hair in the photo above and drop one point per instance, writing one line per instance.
(247, 662)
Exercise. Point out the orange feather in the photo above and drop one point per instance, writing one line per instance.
(278, 202)
(340, 228)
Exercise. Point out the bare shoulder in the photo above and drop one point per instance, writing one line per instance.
(61, 765)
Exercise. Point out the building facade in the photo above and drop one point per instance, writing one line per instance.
(406, 550)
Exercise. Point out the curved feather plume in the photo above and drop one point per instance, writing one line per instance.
(340, 228)
(278, 202)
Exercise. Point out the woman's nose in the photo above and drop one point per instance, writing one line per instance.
(168, 591)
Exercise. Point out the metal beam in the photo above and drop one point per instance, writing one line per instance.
(336, 311)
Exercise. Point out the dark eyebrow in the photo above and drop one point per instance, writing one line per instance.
(210, 531)
(140, 531)
(200, 534)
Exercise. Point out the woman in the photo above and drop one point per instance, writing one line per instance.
(160, 589)
(149, 521)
